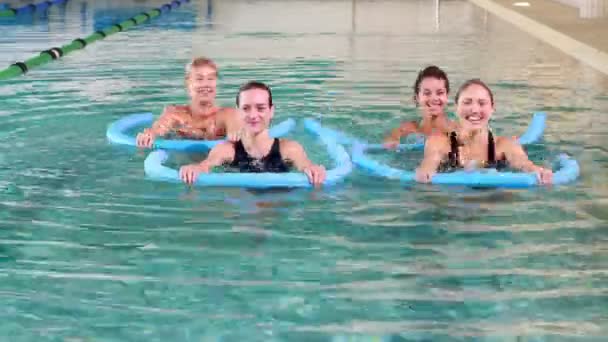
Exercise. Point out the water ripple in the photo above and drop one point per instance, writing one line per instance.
(92, 249)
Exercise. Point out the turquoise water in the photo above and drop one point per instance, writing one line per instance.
(92, 251)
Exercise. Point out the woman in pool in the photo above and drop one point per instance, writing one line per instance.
(472, 144)
(431, 91)
(201, 119)
(256, 151)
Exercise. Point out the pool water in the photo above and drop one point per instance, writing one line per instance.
(91, 250)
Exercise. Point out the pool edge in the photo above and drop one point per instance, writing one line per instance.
(585, 53)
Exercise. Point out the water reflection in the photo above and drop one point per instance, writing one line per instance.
(89, 242)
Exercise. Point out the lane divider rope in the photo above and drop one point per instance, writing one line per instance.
(11, 12)
(20, 68)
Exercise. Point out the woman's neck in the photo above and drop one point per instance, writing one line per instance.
(203, 109)
(472, 136)
(257, 145)
(259, 139)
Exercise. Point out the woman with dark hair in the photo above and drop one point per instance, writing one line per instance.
(431, 91)
(256, 150)
(472, 144)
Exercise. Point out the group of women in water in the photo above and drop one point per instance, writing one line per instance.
(467, 143)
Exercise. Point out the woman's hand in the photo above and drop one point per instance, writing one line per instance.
(316, 174)
(544, 176)
(145, 139)
(189, 173)
(390, 145)
(424, 176)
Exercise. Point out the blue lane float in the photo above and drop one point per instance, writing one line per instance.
(41, 6)
(532, 135)
(567, 171)
(155, 170)
(117, 133)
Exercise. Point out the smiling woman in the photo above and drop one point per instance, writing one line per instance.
(201, 119)
(472, 144)
(257, 151)
(105, 248)
(431, 90)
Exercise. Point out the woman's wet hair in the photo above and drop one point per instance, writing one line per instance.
(200, 62)
(430, 71)
(474, 81)
(254, 85)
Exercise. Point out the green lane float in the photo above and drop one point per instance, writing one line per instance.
(20, 68)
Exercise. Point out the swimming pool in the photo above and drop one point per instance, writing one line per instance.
(91, 250)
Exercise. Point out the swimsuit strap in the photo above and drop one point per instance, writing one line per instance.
(275, 150)
(453, 155)
(240, 154)
(491, 149)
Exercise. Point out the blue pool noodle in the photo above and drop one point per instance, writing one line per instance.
(116, 134)
(155, 170)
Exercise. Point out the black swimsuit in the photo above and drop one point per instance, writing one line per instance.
(453, 161)
(272, 162)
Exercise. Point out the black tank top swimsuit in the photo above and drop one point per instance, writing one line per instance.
(272, 162)
(453, 161)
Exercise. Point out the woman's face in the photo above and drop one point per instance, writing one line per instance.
(432, 97)
(255, 109)
(474, 107)
(202, 83)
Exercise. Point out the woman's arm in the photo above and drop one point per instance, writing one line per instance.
(163, 125)
(230, 120)
(434, 151)
(220, 154)
(518, 159)
(406, 128)
(294, 152)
